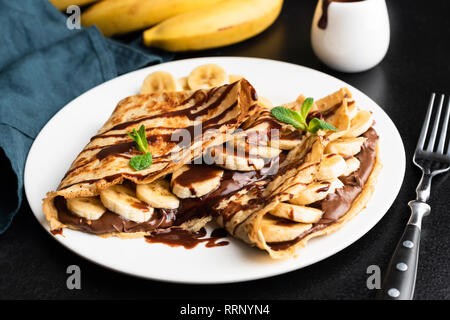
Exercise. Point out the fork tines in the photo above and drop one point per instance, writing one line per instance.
(427, 148)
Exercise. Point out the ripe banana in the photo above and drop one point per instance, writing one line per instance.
(192, 188)
(345, 146)
(359, 124)
(123, 16)
(316, 191)
(63, 4)
(331, 167)
(159, 81)
(297, 213)
(90, 208)
(207, 76)
(352, 165)
(224, 23)
(157, 194)
(122, 200)
(275, 230)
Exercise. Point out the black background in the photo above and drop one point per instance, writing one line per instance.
(33, 265)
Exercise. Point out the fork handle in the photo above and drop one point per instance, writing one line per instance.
(400, 278)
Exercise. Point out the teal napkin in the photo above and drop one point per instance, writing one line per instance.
(43, 66)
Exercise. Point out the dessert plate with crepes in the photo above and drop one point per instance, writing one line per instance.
(293, 165)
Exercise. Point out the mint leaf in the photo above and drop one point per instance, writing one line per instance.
(316, 124)
(140, 139)
(306, 106)
(290, 117)
(141, 162)
(298, 120)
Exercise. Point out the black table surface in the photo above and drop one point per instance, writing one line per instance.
(33, 265)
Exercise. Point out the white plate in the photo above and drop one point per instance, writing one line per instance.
(70, 129)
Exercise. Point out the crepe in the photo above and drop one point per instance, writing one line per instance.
(207, 115)
(247, 213)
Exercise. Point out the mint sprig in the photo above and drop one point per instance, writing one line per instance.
(298, 120)
(144, 160)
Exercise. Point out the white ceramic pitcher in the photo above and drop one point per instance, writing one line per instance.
(350, 36)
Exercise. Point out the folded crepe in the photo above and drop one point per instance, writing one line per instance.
(264, 181)
(206, 116)
(313, 193)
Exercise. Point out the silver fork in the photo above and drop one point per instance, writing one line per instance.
(432, 160)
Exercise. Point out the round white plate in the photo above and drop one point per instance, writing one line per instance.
(70, 129)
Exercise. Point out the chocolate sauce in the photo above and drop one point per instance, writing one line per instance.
(336, 204)
(110, 222)
(57, 231)
(232, 182)
(323, 21)
(176, 237)
(196, 174)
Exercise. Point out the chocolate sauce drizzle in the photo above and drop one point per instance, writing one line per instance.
(323, 21)
(176, 237)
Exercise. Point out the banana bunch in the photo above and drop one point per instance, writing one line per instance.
(181, 25)
(123, 16)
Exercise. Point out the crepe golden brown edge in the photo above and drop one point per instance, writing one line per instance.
(162, 114)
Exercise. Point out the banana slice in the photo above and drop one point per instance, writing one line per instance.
(207, 76)
(286, 143)
(297, 213)
(359, 124)
(352, 165)
(233, 160)
(90, 208)
(159, 81)
(264, 102)
(345, 146)
(276, 230)
(123, 201)
(234, 77)
(187, 183)
(331, 167)
(258, 149)
(183, 83)
(157, 194)
(316, 191)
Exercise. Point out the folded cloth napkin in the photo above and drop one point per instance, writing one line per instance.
(43, 66)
